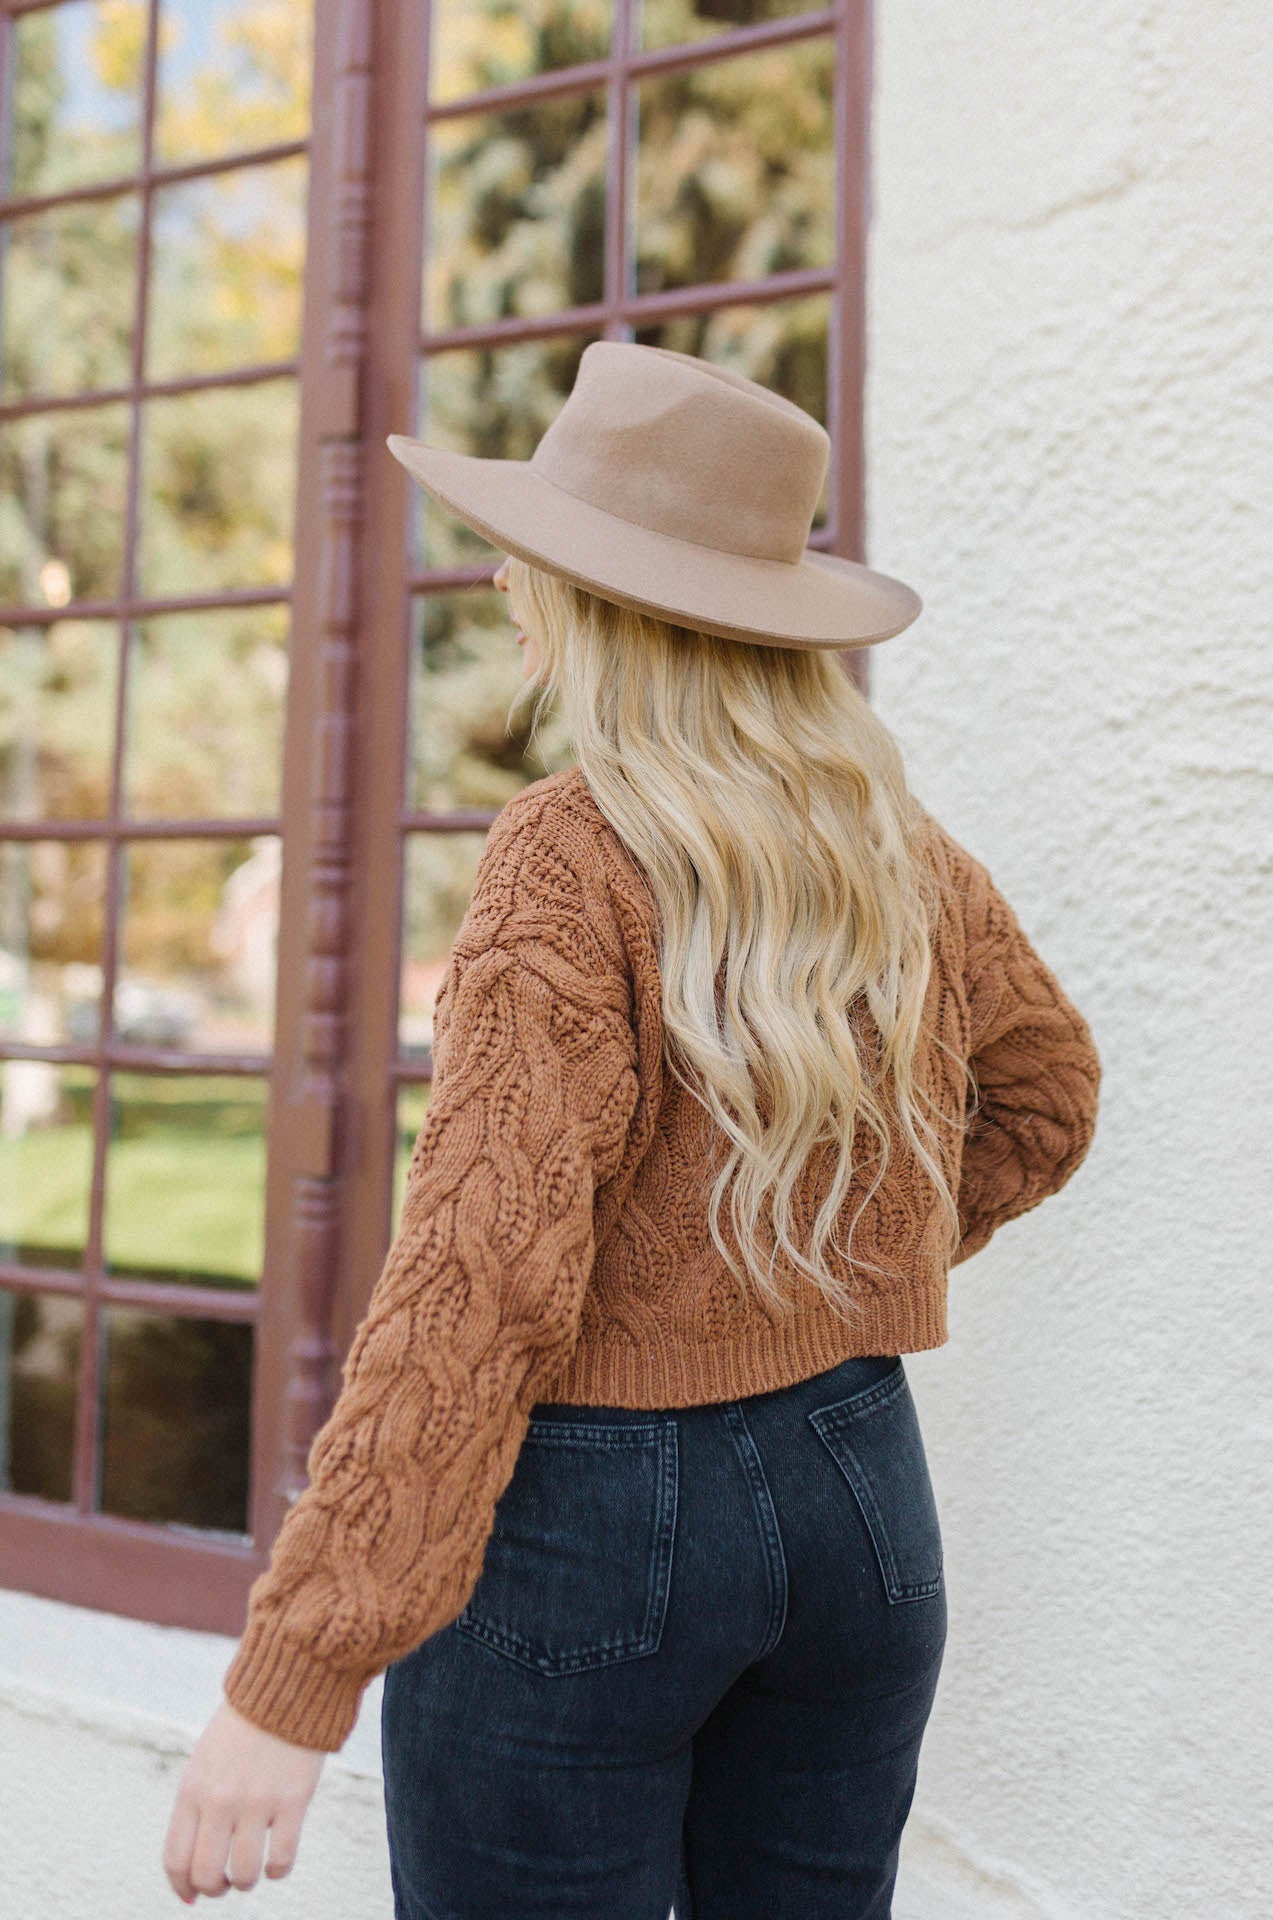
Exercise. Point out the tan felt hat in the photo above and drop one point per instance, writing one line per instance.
(679, 488)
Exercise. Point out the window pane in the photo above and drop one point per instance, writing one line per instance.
(40, 1338)
(437, 882)
(492, 43)
(185, 1178)
(62, 491)
(495, 403)
(466, 670)
(52, 904)
(199, 947)
(783, 344)
(735, 168)
(176, 1414)
(57, 719)
(413, 1104)
(76, 94)
(219, 484)
(67, 296)
(46, 1162)
(516, 211)
(205, 714)
(233, 75)
(227, 257)
(673, 23)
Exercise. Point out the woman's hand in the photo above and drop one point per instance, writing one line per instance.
(239, 1785)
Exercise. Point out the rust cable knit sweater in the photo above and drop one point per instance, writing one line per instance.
(553, 1242)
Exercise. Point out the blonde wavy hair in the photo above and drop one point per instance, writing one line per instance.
(768, 807)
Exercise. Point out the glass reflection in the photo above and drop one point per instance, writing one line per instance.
(206, 694)
(75, 94)
(466, 671)
(516, 211)
(62, 487)
(219, 485)
(176, 1420)
(783, 344)
(439, 870)
(492, 43)
(227, 264)
(57, 719)
(52, 908)
(185, 1178)
(40, 1339)
(735, 168)
(46, 1159)
(496, 404)
(674, 23)
(233, 75)
(67, 287)
(199, 944)
(413, 1104)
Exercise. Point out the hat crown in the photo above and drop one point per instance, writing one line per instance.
(682, 447)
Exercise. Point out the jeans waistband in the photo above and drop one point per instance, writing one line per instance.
(847, 1376)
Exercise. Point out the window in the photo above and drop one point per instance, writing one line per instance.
(253, 684)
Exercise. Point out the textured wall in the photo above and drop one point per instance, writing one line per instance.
(97, 1718)
(1070, 421)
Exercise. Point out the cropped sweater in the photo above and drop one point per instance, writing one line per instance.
(554, 1244)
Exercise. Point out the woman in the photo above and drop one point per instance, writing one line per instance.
(738, 1051)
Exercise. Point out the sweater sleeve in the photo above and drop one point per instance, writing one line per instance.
(477, 1303)
(1034, 1062)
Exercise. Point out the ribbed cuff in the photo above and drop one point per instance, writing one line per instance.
(283, 1689)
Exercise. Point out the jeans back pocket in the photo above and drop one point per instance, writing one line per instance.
(578, 1565)
(874, 1437)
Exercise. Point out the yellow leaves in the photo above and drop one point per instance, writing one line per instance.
(245, 83)
(119, 44)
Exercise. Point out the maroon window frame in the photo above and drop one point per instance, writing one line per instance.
(335, 1070)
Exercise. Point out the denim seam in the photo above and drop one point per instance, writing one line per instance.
(665, 1533)
(574, 1433)
(684, 1904)
(762, 1501)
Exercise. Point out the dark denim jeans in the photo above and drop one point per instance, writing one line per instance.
(696, 1669)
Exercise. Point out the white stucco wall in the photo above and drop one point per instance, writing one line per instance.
(1070, 408)
(1069, 405)
(97, 1717)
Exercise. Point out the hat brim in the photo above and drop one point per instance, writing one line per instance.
(820, 600)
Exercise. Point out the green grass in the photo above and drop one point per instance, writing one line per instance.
(180, 1204)
(44, 1181)
(187, 1206)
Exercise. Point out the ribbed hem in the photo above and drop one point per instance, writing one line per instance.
(283, 1689)
(771, 1356)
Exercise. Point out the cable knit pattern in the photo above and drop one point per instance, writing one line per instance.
(553, 1243)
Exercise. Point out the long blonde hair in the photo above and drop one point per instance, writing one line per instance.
(767, 806)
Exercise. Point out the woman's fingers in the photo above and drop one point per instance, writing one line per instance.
(211, 1846)
(247, 1849)
(285, 1836)
(210, 1852)
(241, 1785)
(179, 1846)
